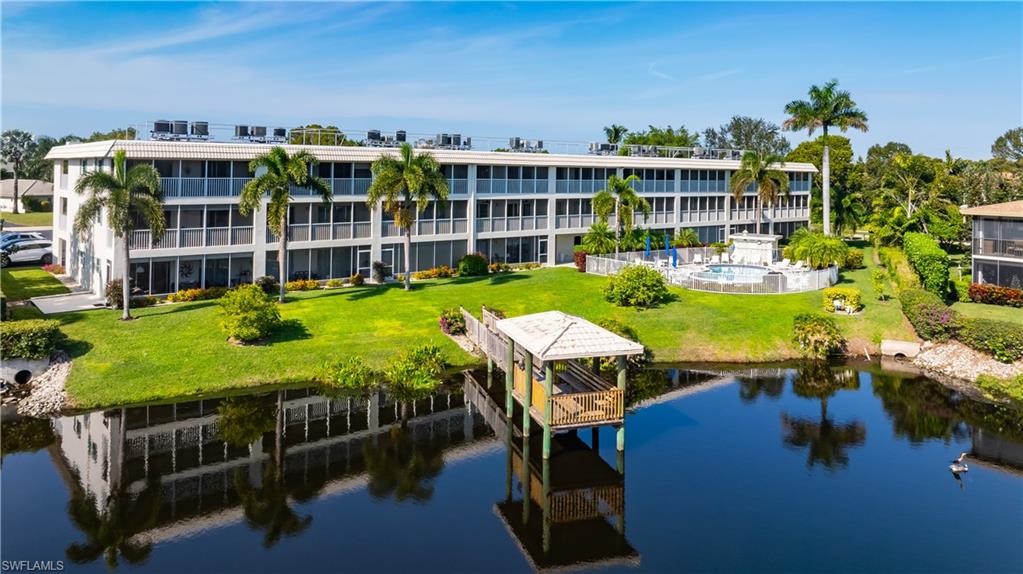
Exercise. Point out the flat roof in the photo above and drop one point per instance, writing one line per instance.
(1013, 209)
(237, 151)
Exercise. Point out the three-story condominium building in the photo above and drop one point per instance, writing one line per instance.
(511, 207)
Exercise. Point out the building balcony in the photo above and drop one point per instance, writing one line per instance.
(511, 186)
(324, 231)
(141, 239)
(499, 224)
(998, 247)
(579, 186)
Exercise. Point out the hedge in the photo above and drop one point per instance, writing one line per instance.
(186, 295)
(853, 259)
(929, 261)
(29, 339)
(1001, 339)
(898, 268)
(850, 297)
(472, 264)
(930, 317)
(995, 295)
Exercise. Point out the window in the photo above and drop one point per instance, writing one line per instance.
(220, 169)
(241, 169)
(362, 171)
(323, 169)
(513, 209)
(342, 213)
(483, 209)
(342, 170)
(63, 167)
(483, 172)
(459, 209)
(461, 171)
(63, 206)
(193, 169)
(166, 168)
(527, 208)
(217, 217)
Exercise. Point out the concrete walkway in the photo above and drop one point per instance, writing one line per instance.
(51, 304)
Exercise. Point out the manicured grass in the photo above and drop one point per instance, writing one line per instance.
(1000, 312)
(179, 350)
(33, 219)
(879, 319)
(20, 283)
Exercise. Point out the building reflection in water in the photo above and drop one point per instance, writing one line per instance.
(562, 511)
(143, 475)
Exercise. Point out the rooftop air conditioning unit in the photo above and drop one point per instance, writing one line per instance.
(468, 142)
(180, 128)
(445, 140)
(280, 132)
(456, 140)
(514, 143)
(259, 131)
(201, 129)
(400, 135)
(373, 135)
(539, 144)
(161, 127)
(241, 131)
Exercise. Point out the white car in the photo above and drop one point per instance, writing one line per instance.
(30, 251)
(11, 237)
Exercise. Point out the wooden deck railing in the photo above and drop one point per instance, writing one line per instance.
(570, 409)
(587, 503)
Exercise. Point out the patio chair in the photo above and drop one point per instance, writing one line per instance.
(724, 258)
(698, 259)
(785, 262)
(715, 259)
(799, 266)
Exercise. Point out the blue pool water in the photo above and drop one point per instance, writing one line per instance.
(727, 273)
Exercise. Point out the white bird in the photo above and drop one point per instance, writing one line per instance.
(959, 465)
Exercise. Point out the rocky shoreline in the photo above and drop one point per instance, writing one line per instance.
(47, 396)
(957, 366)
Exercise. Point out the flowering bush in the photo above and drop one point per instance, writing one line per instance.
(333, 283)
(930, 317)
(1001, 339)
(849, 297)
(499, 267)
(434, 273)
(302, 285)
(55, 268)
(452, 322)
(853, 259)
(580, 260)
(996, 295)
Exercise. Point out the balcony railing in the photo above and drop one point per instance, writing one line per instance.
(324, 231)
(574, 221)
(216, 236)
(511, 186)
(998, 247)
(579, 186)
(441, 226)
(195, 237)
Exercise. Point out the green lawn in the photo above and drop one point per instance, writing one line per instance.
(33, 219)
(1000, 312)
(20, 283)
(179, 350)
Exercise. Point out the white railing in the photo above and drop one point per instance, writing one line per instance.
(218, 236)
(460, 226)
(191, 237)
(319, 232)
(241, 236)
(218, 186)
(363, 229)
(192, 186)
(299, 232)
(362, 185)
(776, 281)
(342, 231)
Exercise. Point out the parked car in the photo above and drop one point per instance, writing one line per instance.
(28, 251)
(11, 237)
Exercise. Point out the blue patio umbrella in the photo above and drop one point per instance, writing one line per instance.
(667, 244)
(674, 257)
(648, 245)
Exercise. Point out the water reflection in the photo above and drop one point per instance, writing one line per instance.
(827, 441)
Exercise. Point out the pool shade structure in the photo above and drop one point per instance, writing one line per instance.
(551, 362)
(754, 247)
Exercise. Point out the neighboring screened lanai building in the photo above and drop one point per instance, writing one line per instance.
(998, 244)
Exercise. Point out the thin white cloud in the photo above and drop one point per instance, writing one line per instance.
(653, 71)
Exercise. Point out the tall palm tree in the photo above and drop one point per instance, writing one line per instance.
(619, 198)
(124, 195)
(757, 169)
(828, 107)
(406, 183)
(599, 239)
(281, 172)
(615, 133)
(16, 147)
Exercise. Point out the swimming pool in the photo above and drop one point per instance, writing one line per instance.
(727, 273)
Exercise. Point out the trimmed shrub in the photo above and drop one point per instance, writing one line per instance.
(269, 284)
(636, 286)
(472, 264)
(206, 294)
(379, 272)
(335, 283)
(929, 260)
(525, 266)
(499, 267)
(877, 281)
(898, 268)
(348, 372)
(357, 279)
(962, 289)
(1001, 339)
(29, 339)
(849, 298)
(55, 268)
(434, 273)
(579, 255)
(853, 259)
(248, 314)
(930, 317)
(452, 322)
(816, 335)
(995, 295)
(302, 285)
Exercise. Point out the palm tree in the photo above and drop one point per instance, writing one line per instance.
(599, 239)
(828, 106)
(756, 169)
(615, 133)
(16, 147)
(849, 211)
(687, 237)
(281, 172)
(124, 195)
(619, 198)
(404, 183)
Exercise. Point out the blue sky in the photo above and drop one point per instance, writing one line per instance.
(934, 76)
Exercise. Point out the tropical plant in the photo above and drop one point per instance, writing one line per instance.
(687, 237)
(1009, 145)
(668, 136)
(248, 314)
(827, 107)
(599, 239)
(816, 335)
(406, 184)
(472, 264)
(615, 133)
(636, 286)
(817, 250)
(350, 372)
(125, 196)
(619, 198)
(280, 172)
(16, 146)
(756, 169)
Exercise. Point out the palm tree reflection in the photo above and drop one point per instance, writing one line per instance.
(827, 440)
(111, 530)
(751, 388)
(399, 466)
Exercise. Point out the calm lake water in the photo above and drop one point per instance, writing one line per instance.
(769, 470)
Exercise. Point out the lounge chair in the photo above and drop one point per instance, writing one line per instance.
(698, 259)
(785, 262)
(715, 259)
(798, 266)
(724, 258)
